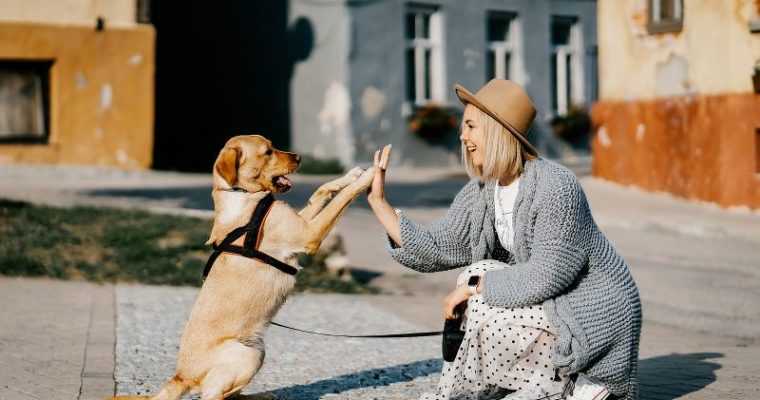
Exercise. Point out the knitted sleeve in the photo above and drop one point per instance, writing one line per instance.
(440, 245)
(557, 251)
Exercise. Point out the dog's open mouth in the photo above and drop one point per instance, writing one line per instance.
(281, 183)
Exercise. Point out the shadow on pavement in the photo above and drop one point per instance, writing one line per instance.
(369, 378)
(675, 375)
(664, 377)
(418, 194)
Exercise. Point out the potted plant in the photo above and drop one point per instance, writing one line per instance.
(573, 125)
(433, 122)
(756, 77)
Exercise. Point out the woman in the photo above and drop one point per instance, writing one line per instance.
(548, 298)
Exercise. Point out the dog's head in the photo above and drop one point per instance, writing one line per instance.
(250, 162)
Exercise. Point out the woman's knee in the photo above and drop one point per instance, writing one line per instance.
(480, 266)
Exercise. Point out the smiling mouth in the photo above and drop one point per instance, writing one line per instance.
(282, 183)
(471, 149)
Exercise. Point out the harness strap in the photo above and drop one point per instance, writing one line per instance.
(252, 231)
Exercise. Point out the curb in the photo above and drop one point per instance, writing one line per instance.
(99, 356)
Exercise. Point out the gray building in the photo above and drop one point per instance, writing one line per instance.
(373, 63)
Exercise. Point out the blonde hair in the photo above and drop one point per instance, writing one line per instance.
(504, 154)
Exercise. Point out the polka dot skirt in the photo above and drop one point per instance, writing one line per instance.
(506, 352)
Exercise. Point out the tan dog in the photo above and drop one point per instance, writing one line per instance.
(222, 347)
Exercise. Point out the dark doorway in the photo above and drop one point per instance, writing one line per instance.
(222, 68)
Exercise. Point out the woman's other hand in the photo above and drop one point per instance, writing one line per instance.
(458, 296)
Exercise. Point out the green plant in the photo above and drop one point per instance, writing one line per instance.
(112, 245)
(573, 125)
(757, 67)
(316, 166)
(433, 122)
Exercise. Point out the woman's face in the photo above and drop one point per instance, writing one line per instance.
(472, 136)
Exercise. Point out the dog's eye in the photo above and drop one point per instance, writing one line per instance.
(268, 152)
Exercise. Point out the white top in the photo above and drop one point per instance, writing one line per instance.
(504, 205)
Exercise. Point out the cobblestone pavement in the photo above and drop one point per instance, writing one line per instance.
(297, 366)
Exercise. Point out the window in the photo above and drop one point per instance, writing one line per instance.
(24, 101)
(504, 55)
(566, 66)
(424, 59)
(665, 15)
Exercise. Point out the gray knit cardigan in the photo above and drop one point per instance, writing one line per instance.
(561, 259)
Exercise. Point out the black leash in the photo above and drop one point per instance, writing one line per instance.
(387, 335)
(248, 249)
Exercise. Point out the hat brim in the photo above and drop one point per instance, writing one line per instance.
(468, 98)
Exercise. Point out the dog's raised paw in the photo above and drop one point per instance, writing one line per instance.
(365, 180)
(355, 173)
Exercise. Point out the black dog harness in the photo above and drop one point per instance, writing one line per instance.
(252, 231)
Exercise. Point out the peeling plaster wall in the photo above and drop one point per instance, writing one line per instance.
(320, 100)
(101, 93)
(696, 147)
(715, 43)
(118, 12)
(677, 110)
(358, 49)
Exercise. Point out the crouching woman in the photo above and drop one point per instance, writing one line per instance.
(549, 301)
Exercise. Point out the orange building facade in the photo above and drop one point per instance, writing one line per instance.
(75, 90)
(678, 112)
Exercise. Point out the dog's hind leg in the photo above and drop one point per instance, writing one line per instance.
(326, 192)
(234, 365)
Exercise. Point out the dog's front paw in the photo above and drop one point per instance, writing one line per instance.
(354, 173)
(365, 179)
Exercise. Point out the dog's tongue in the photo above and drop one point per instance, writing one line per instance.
(284, 182)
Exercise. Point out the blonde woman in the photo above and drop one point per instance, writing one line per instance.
(549, 301)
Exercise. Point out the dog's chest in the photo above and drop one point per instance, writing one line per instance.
(230, 211)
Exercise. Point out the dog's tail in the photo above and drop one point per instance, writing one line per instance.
(172, 390)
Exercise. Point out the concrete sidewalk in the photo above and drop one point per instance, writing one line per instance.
(56, 339)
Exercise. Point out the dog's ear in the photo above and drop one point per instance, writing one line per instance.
(227, 164)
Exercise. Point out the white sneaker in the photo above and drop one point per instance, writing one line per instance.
(587, 388)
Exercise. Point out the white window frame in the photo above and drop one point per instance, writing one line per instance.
(435, 45)
(560, 52)
(513, 47)
(659, 25)
(25, 119)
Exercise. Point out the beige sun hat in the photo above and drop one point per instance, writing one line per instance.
(507, 103)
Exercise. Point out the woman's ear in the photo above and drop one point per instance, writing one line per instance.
(227, 164)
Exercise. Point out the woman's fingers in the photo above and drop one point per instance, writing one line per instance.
(455, 298)
(386, 156)
(377, 160)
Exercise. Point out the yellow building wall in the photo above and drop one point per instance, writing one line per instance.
(120, 12)
(101, 93)
(677, 111)
(715, 48)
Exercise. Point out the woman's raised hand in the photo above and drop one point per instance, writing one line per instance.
(376, 192)
(376, 197)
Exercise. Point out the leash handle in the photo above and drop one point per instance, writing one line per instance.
(387, 335)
